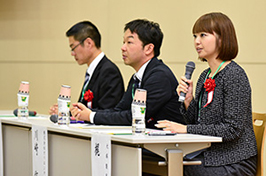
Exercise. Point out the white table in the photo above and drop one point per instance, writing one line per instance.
(70, 152)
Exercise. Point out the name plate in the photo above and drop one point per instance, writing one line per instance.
(101, 154)
(39, 151)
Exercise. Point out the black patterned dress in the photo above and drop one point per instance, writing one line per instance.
(229, 116)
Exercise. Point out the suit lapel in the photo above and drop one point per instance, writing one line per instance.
(96, 73)
(94, 76)
(154, 61)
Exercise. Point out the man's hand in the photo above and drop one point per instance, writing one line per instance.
(53, 109)
(80, 112)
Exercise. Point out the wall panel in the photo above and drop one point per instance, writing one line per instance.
(34, 47)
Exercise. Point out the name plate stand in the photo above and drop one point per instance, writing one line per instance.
(101, 154)
(39, 151)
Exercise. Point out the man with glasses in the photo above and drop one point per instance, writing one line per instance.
(103, 87)
(142, 42)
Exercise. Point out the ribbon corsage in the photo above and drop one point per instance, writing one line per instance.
(88, 96)
(209, 85)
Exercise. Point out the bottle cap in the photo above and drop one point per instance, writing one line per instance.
(140, 95)
(24, 87)
(65, 91)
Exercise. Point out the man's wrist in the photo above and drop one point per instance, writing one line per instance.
(91, 116)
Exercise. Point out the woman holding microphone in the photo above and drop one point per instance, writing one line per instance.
(222, 103)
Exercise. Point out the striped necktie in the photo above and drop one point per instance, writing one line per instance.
(86, 82)
(135, 85)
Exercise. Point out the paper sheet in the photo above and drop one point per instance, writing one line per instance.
(113, 131)
(91, 126)
(101, 154)
(39, 151)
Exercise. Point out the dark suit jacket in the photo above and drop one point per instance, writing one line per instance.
(162, 99)
(106, 84)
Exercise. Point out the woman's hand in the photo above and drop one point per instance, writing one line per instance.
(186, 86)
(80, 112)
(171, 126)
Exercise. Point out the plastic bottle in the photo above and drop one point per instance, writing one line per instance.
(23, 100)
(63, 105)
(138, 108)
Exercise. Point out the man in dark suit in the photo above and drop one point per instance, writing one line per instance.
(103, 87)
(142, 42)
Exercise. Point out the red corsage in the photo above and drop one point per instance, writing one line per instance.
(209, 85)
(88, 96)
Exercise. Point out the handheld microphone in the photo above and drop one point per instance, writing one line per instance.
(189, 70)
(54, 118)
(31, 113)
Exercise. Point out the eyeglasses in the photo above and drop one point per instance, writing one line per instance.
(72, 49)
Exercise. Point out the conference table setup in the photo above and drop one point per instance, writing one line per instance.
(37, 146)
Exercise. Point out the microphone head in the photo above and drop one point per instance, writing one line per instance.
(189, 69)
(15, 112)
(54, 118)
(190, 65)
(32, 113)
